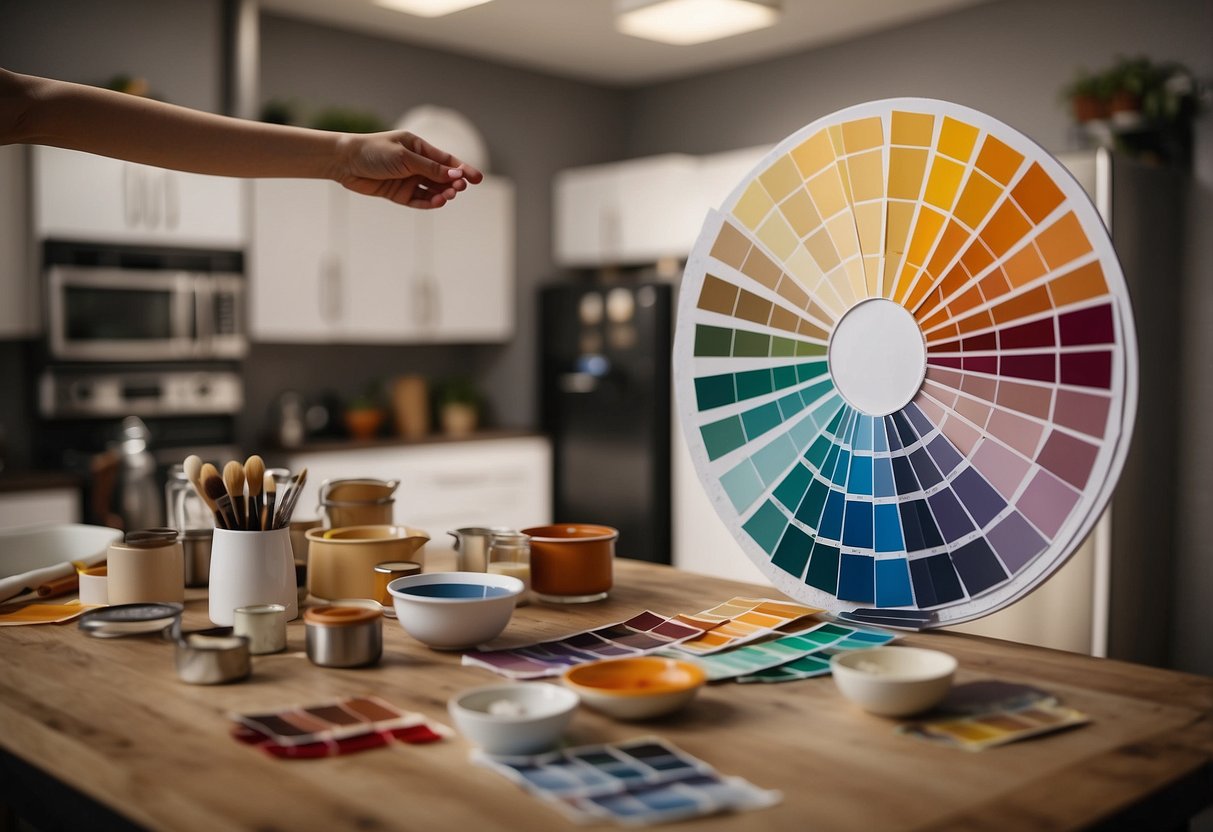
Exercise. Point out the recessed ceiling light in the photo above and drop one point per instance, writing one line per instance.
(429, 8)
(686, 22)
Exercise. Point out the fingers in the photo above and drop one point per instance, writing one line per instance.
(438, 165)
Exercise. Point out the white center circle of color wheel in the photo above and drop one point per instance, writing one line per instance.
(877, 357)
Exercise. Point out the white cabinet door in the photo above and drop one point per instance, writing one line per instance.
(294, 267)
(584, 220)
(88, 198)
(378, 284)
(638, 211)
(18, 280)
(465, 266)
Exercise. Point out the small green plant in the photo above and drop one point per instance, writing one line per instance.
(344, 120)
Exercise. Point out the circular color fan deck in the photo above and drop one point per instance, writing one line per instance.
(905, 363)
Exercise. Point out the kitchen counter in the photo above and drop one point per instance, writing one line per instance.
(30, 480)
(331, 444)
(100, 733)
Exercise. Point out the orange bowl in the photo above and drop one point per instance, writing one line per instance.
(636, 688)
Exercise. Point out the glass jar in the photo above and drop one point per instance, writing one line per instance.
(510, 554)
(183, 506)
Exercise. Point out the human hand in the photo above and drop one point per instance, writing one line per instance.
(402, 167)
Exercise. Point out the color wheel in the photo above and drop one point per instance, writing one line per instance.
(905, 364)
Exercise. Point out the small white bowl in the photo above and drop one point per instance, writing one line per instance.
(521, 718)
(454, 610)
(636, 688)
(894, 681)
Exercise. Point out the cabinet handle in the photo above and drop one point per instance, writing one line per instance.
(330, 290)
(130, 196)
(153, 198)
(172, 201)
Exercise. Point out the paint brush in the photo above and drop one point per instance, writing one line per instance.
(290, 498)
(206, 473)
(271, 491)
(254, 474)
(225, 513)
(233, 480)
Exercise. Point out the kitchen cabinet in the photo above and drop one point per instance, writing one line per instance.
(87, 198)
(328, 265)
(626, 213)
(19, 313)
(36, 507)
(443, 484)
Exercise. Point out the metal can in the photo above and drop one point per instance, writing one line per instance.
(344, 635)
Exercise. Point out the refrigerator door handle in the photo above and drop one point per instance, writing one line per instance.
(577, 382)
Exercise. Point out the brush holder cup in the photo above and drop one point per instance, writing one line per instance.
(251, 568)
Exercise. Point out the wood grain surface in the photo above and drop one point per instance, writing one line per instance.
(110, 719)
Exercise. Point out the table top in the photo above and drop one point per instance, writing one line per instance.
(110, 719)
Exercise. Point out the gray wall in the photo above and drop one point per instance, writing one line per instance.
(533, 125)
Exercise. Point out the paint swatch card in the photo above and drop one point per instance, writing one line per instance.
(752, 658)
(742, 620)
(15, 615)
(332, 723)
(640, 634)
(981, 731)
(817, 664)
(633, 783)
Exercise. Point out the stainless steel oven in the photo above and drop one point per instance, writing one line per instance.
(112, 313)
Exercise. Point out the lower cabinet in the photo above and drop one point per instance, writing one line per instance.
(444, 485)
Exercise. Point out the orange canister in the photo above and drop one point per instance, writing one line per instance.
(571, 563)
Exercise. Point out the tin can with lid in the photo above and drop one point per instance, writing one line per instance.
(344, 634)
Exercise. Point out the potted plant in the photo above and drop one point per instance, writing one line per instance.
(1087, 96)
(458, 403)
(365, 414)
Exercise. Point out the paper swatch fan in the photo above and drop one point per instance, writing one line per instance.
(905, 363)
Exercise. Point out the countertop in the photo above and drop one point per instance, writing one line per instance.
(336, 444)
(110, 721)
(32, 480)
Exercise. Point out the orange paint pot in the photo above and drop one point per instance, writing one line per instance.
(571, 563)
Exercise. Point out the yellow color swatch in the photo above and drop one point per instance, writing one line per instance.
(976, 200)
(781, 178)
(801, 214)
(826, 190)
(906, 169)
(866, 172)
(778, 236)
(943, 182)
(925, 232)
(956, 139)
(755, 203)
(813, 154)
(862, 134)
(913, 128)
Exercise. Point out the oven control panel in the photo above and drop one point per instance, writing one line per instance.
(81, 394)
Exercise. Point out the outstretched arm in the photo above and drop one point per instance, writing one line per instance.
(395, 165)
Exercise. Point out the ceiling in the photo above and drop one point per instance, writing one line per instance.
(577, 39)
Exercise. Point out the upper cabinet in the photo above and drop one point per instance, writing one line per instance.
(641, 210)
(329, 265)
(88, 198)
(18, 312)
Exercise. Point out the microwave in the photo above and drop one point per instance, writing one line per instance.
(107, 313)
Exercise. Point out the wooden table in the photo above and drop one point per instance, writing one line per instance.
(109, 720)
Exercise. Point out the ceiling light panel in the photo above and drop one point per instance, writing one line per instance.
(687, 22)
(429, 8)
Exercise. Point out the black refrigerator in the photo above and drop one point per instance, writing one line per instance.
(605, 401)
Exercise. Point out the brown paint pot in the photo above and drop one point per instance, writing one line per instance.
(571, 563)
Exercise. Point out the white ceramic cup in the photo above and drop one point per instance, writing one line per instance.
(251, 568)
(264, 625)
(138, 573)
(94, 590)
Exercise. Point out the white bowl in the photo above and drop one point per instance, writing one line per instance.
(521, 718)
(636, 688)
(893, 681)
(454, 610)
